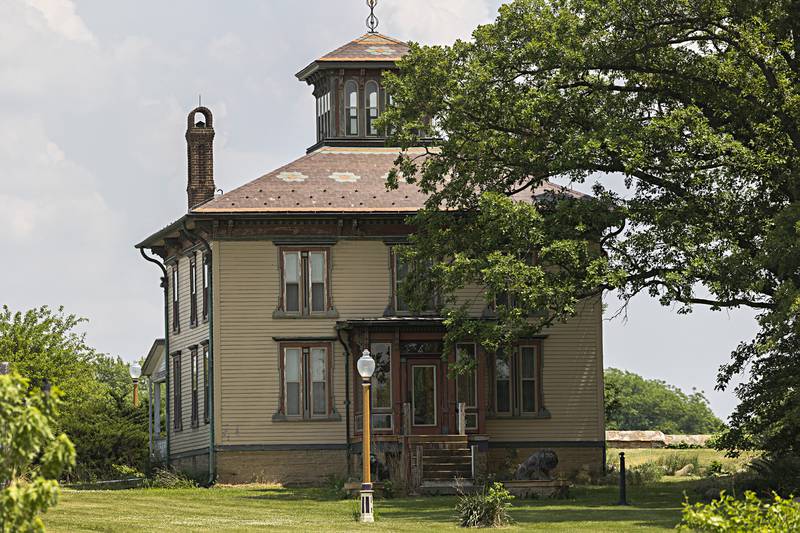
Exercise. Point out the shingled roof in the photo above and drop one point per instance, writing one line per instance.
(335, 180)
(369, 47)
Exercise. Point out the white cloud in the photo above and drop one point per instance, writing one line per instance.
(62, 17)
(439, 22)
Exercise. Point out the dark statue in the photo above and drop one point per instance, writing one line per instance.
(538, 466)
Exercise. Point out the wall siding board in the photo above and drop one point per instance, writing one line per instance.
(189, 438)
(246, 292)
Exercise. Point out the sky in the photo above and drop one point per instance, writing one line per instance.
(93, 103)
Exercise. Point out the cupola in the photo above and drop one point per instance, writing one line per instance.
(349, 91)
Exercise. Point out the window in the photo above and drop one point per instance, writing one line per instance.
(306, 381)
(206, 279)
(527, 378)
(466, 383)
(206, 385)
(371, 107)
(193, 291)
(382, 386)
(351, 107)
(323, 115)
(305, 281)
(517, 381)
(400, 271)
(177, 411)
(176, 321)
(502, 386)
(195, 386)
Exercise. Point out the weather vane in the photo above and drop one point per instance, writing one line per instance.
(372, 20)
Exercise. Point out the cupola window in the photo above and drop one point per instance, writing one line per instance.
(372, 107)
(323, 116)
(351, 96)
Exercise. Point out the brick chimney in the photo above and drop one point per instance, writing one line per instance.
(200, 151)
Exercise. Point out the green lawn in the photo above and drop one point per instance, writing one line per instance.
(637, 456)
(252, 508)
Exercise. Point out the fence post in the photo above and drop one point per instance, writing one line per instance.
(623, 497)
(5, 368)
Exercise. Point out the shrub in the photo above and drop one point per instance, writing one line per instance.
(644, 474)
(750, 514)
(33, 454)
(486, 508)
(715, 468)
(673, 462)
(167, 478)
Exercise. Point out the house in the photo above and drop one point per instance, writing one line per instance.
(272, 291)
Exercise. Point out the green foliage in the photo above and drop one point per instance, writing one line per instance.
(694, 104)
(97, 412)
(673, 462)
(167, 478)
(33, 457)
(486, 508)
(728, 514)
(653, 404)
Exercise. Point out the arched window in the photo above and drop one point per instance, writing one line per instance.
(371, 98)
(351, 107)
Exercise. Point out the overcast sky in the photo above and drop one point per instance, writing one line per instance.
(93, 102)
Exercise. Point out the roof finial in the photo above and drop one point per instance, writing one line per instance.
(372, 20)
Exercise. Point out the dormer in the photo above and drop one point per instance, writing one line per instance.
(349, 91)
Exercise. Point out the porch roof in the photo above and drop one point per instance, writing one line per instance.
(394, 321)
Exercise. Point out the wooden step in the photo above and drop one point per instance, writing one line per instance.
(444, 452)
(438, 438)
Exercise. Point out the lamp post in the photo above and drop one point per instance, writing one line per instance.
(366, 367)
(136, 372)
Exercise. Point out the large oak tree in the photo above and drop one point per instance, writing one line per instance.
(695, 103)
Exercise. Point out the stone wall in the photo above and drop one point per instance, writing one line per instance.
(289, 467)
(503, 462)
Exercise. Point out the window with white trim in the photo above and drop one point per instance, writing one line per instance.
(206, 278)
(195, 369)
(306, 381)
(467, 383)
(193, 291)
(382, 386)
(305, 281)
(351, 107)
(400, 271)
(517, 381)
(371, 101)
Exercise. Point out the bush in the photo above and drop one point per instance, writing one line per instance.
(167, 478)
(644, 474)
(715, 468)
(751, 514)
(673, 462)
(487, 508)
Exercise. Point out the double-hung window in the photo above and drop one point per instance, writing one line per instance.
(351, 107)
(381, 390)
(176, 320)
(177, 397)
(206, 385)
(517, 381)
(195, 386)
(467, 383)
(371, 97)
(306, 381)
(206, 278)
(305, 282)
(193, 291)
(400, 271)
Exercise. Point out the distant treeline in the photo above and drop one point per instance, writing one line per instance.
(635, 403)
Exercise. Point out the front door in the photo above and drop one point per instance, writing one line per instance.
(425, 393)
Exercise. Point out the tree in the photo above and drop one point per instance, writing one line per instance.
(33, 455)
(642, 404)
(97, 412)
(696, 104)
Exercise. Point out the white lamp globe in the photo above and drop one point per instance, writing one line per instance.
(366, 365)
(135, 370)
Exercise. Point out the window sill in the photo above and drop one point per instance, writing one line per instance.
(333, 417)
(543, 414)
(280, 314)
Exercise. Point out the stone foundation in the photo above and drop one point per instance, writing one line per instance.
(194, 466)
(503, 461)
(288, 467)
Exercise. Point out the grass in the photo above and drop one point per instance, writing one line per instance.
(258, 507)
(662, 456)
